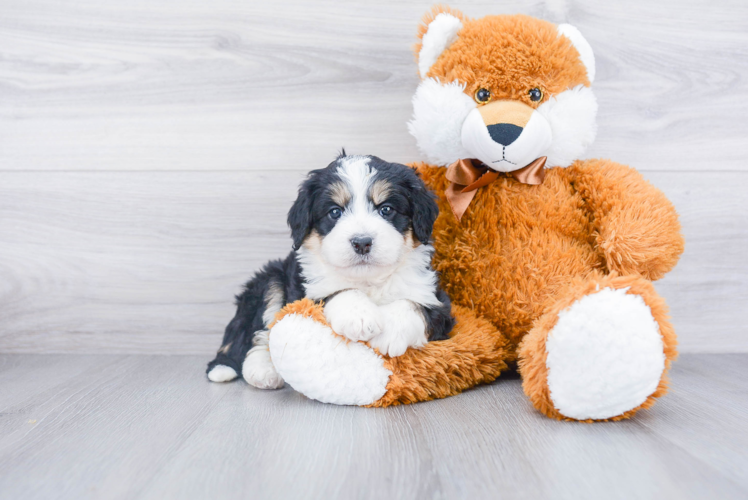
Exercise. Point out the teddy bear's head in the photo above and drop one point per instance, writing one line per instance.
(505, 90)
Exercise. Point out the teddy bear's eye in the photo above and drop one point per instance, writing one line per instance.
(482, 96)
(536, 94)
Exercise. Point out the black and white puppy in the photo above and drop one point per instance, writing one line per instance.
(361, 230)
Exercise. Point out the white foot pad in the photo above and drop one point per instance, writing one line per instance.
(325, 367)
(221, 373)
(605, 356)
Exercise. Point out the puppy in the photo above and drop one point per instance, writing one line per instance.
(360, 230)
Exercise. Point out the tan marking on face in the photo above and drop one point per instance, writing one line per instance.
(410, 241)
(380, 191)
(340, 194)
(313, 242)
(225, 349)
(513, 112)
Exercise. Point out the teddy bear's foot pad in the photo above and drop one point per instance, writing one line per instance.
(324, 366)
(605, 356)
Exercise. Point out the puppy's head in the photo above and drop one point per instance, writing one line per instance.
(361, 214)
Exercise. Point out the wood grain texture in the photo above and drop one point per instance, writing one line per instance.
(148, 262)
(150, 150)
(123, 262)
(189, 85)
(142, 427)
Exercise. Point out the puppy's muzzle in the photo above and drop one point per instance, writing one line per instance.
(361, 244)
(506, 135)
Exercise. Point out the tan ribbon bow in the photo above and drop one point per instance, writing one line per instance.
(465, 179)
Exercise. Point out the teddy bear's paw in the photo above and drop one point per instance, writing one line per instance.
(403, 327)
(324, 366)
(604, 356)
(258, 369)
(353, 315)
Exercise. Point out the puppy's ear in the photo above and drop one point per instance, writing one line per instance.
(425, 210)
(300, 215)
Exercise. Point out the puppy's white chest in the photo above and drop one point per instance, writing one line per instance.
(385, 293)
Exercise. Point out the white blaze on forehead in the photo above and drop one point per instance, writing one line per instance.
(358, 175)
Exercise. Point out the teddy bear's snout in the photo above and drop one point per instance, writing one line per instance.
(506, 135)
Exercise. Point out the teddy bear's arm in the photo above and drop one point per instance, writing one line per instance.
(636, 226)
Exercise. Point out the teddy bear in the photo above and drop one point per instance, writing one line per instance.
(548, 259)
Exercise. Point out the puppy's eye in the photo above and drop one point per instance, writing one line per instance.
(335, 213)
(482, 96)
(536, 94)
(386, 211)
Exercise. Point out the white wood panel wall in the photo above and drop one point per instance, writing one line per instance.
(150, 150)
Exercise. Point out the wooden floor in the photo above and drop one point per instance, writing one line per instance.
(135, 426)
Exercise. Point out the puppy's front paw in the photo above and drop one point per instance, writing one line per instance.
(390, 342)
(353, 315)
(356, 326)
(403, 327)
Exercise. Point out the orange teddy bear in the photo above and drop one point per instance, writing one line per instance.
(548, 259)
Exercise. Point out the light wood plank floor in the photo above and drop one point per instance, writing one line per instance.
(136, 426)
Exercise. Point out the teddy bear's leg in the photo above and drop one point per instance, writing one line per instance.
(600, 352)
(475, 354)
(322, 365)
(327, 367)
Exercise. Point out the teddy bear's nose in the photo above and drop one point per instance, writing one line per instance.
(504, 133)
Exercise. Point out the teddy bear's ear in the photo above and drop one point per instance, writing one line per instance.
(584, 49)
(437, 32)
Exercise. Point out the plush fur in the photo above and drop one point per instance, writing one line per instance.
(361, 229)
(441, 32)
(523, 54)
(361, 376)
(533, 353)
(556, 276)
(473, 355)
(438, 114)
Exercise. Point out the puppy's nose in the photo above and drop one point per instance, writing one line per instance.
(504, 133)
(361, 245)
